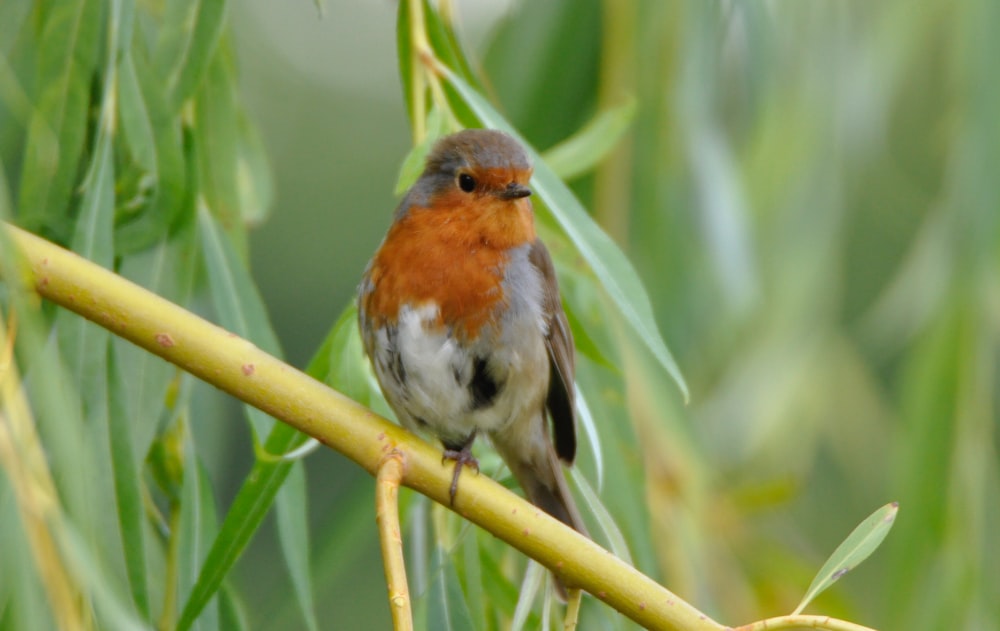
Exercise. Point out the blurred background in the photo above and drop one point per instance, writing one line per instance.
(810, 193)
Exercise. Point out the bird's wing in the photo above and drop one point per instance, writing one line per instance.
(559, 342)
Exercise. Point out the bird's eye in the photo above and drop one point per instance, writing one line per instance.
(466, 182)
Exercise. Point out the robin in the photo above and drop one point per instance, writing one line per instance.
(460, 315)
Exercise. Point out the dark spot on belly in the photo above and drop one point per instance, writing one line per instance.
(483, 387)
(395, 356)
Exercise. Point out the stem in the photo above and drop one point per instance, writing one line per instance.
(390, 474)
(420, 48)
(802, 622)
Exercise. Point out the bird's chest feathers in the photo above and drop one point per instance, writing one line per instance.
(455, 257)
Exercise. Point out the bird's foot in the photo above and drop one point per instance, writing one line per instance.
(461, 457)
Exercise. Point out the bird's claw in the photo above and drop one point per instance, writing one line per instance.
(461, 457)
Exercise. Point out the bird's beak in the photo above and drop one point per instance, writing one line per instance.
(515, 191)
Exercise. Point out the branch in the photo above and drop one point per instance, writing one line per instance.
(390, 474)
(236, 366)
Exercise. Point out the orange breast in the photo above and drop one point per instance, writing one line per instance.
(452, 255)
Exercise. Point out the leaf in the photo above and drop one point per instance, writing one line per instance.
(217, 146)
(152, 135)
(413, 164)
(609, 264)
(232, 613)
(293, 530)
(530, 586)
(858, 546)
(197, 526)
(189, 36)
(446, 608)
(613, 534)
(245, 515)
(128, 492)
(56, 133)
(254, 182)
(585, 149)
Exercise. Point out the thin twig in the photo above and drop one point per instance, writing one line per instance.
(390, 474)
(802, 622)
(573, 599)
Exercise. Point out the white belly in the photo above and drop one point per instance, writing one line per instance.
(437, 370)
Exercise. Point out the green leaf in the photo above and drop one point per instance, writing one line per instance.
(606, 259)
(128, 493)
(530, 587)
(446, 607)
(232, 612)
(58, 127)
(217, 147)
(612, 534)
(152, 135)
(585, 149)
(413, 164)
(858, 546)
(245, 515)
(254, 182)
(196, 529)
(189, 36)
(293, 530)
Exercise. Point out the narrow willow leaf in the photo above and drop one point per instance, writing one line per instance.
(293, 530)
(590, 145)
(501, 593)
(196, 529)
(188, 39)
(413, 164)
(404, 50)
(530, 586)
(232, 612)
(472, 576)
(245, 515)
(111, 606)
(613, 535)
(590, 431)
(56, 133)
(446, 608)
(444, 42)
(151, 132)
(606, 259)
(218, 145)
(254, 182)
(128, 493)
(858, 546)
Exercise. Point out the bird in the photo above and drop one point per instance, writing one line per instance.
(461, 318)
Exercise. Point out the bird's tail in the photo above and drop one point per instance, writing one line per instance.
(533, 461)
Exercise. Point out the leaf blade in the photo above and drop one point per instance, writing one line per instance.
(857, 547)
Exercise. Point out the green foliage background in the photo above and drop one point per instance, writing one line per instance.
(808, 190)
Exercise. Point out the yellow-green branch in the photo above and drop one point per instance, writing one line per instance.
(238, 367)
